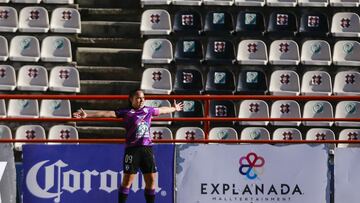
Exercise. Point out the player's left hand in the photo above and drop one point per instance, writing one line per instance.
(178, 106)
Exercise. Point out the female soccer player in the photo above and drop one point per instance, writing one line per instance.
(138, 151)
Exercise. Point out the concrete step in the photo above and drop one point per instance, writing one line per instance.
(113, 14)
(109, 73)
(91, 132)
(110, 29)
(108, 57)
(108, 4)
(125, 43)
(112, 87)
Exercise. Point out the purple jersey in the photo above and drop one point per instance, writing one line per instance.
(137, 124)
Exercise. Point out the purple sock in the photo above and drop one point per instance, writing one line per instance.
(150, 195)
(124, 190)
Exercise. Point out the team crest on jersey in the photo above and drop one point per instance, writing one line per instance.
(142, 130)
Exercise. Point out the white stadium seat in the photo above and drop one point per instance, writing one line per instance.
(347, 109)
(349, 134)
(65, 20)
(190, 133)
(313, 3)
(254, 109)
(7, 78)
(4, 49)
(249, 2)
(223, 133)
(62, 132)
(284, 82)
(8, 19)
(252, 52)
(346, 53)
(32, 78)
(316, 52)
(321, 134)
(344, 3)
(34, 19)
(287, 134)
(318, 109)
(64, 79)
(218, 2)
(58, 1)
(154, 2)
(345, 24)
(316, 83)
(2, 109)
(28, 132)
(155, 22)
(285, 109)
(281, 3)
(156, 81)
(55, 108)
(24, 48)
(23, 108)
(160, 133)
(284, 52)
(347, 83)
(187, 2)
(5, 132)
(56, 49)
(26, 1)
(157, 51)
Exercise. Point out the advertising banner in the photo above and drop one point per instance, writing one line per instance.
(88, 173)
(7, 174)
(251, 174)
(347, 179)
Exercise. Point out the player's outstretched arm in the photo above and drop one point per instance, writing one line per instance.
(177, 107)
(93, 114)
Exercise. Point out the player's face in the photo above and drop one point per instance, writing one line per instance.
(138, 100)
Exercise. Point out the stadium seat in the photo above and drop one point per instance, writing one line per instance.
(311, 3)
(253, 109)
(249, 2)
(220, 81)
(316, 83)
(4, 1)
(64, 79)
(281, 3)
(2, 110)
(345, 24)
(188, 81)
(314, 24)
(7, 78)
(347, 109)
(220, 52)
(284, 82)
(192, 108)
(157, 51)
(344, 3)
(156, 81)
(189, 51)
(252, 82)
(24, 48)
(55, 108)
(187, 2)
(56, 49)
(154, 2)
(255, 133)
(282, 23)
(318, 109)
(252, 52)
(190, 133)
(287, 134)
(8, 19)
(349, 134)
(5, 132)
(316, 52)
(28, 132)
(218, 22)
(284, 52)
(32, 78)
(285, 109)
(160, 133)
(65, 20)
(155, 22)
(187, 22)
(347, 83)
(157, 104)
(62, 132)
(223, 133)
(250, 22)
(58, 1)
(34, 19)
(321, 134)
(346, 53)
(23, 108)
(218, 2)
(4, 49)
(25, 1)
(222, 109)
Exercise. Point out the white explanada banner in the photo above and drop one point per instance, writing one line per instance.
(251, 174)
(7, 174)
(346, 173)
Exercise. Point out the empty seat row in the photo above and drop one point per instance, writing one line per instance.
(29, 108)
(35, 78)
(36, 19)
(260, 109)
(277, 3)
(252, 52)
(27, 48)
(39, 1)
(158, 22)
(37, 132)
(222, 81)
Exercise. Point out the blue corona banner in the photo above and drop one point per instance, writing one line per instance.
(88, 173)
